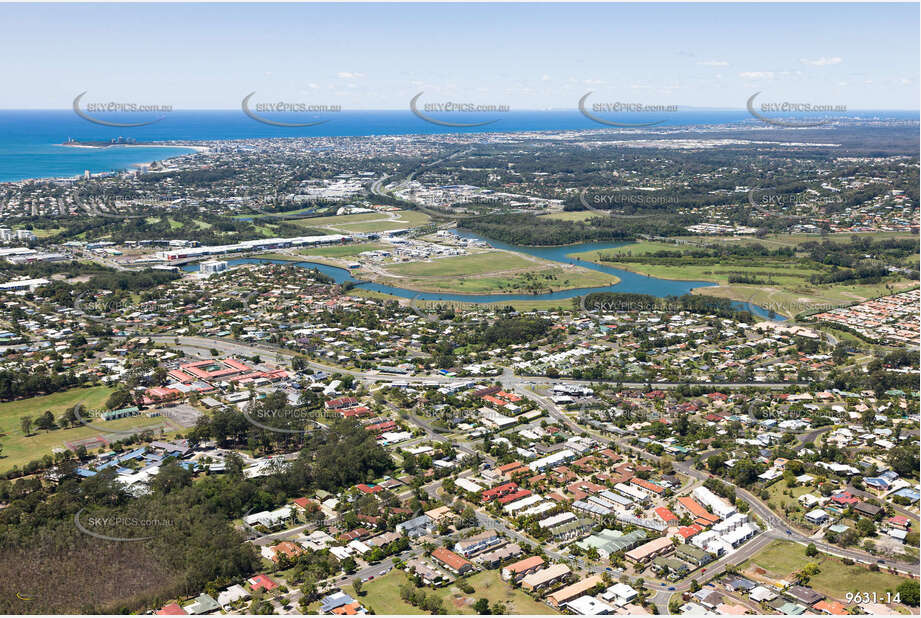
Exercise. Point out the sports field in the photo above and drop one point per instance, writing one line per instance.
(19, 449)
(366, 221)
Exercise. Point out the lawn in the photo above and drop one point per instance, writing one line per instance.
(572, 215)
(463, 265)
(367, 221)
(349, 250)
(489, 585)
(835, 579)
(46, 232)
(493, 272)
(787, 291)
(778, 500)
(383, 595)
(19, 449)
(774, 241)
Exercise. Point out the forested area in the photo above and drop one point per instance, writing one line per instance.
(531, 230)
(601, 302)
(189, 544)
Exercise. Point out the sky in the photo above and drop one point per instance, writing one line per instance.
(526, 56)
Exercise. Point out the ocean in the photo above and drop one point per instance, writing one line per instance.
(30, 140)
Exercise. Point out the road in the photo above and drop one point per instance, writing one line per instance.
(228, 346)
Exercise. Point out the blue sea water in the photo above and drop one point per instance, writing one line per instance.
(30, 140)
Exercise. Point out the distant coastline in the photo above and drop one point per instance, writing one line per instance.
(31, 148)
(104, 145)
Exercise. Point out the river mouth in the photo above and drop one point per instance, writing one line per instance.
(630, 282)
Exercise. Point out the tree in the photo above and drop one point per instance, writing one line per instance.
(468, 517)
(811, 550)
(309, 589)
(905, 460)
(118, 399)
(26, 423)
(908, 592)
(482, 607)
(45, 421)
(866, 527)
(694, 586)
(356, 584)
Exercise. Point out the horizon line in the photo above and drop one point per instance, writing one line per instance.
(407, 109)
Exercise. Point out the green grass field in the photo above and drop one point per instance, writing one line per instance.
(492, 272)
(779, 501)
(274, 214)
(342, 251)
(19, 449)
(788, 292)
(367, 221)
(463, 265)
(46, 232)
(572, 215)
(774, 241)
(489, 585)
(383, 595)
(835, 579)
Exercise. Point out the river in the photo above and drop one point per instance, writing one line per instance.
(629, 282)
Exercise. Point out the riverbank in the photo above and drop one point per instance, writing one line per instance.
(481, 273)
(785, 288)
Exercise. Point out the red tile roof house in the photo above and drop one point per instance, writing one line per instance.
(171, 609)
(157, 394)
(498, 491)
(520, 569)
(452, 561)
(701, 515)
(305, 504)
(215, 369)
(341, 402)
(261, 582)
(844, 498)
(356, 411)
(287, 548)
(666, 516)
(610, 455)
(646, 485)
(899, 521)
(834, 608)
(357, 533)
(687, 532)
(379, 428)
(518, 495)
(374, 520)
(511, 469)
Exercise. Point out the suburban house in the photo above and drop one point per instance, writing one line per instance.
(454, 563)
(522, 568)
